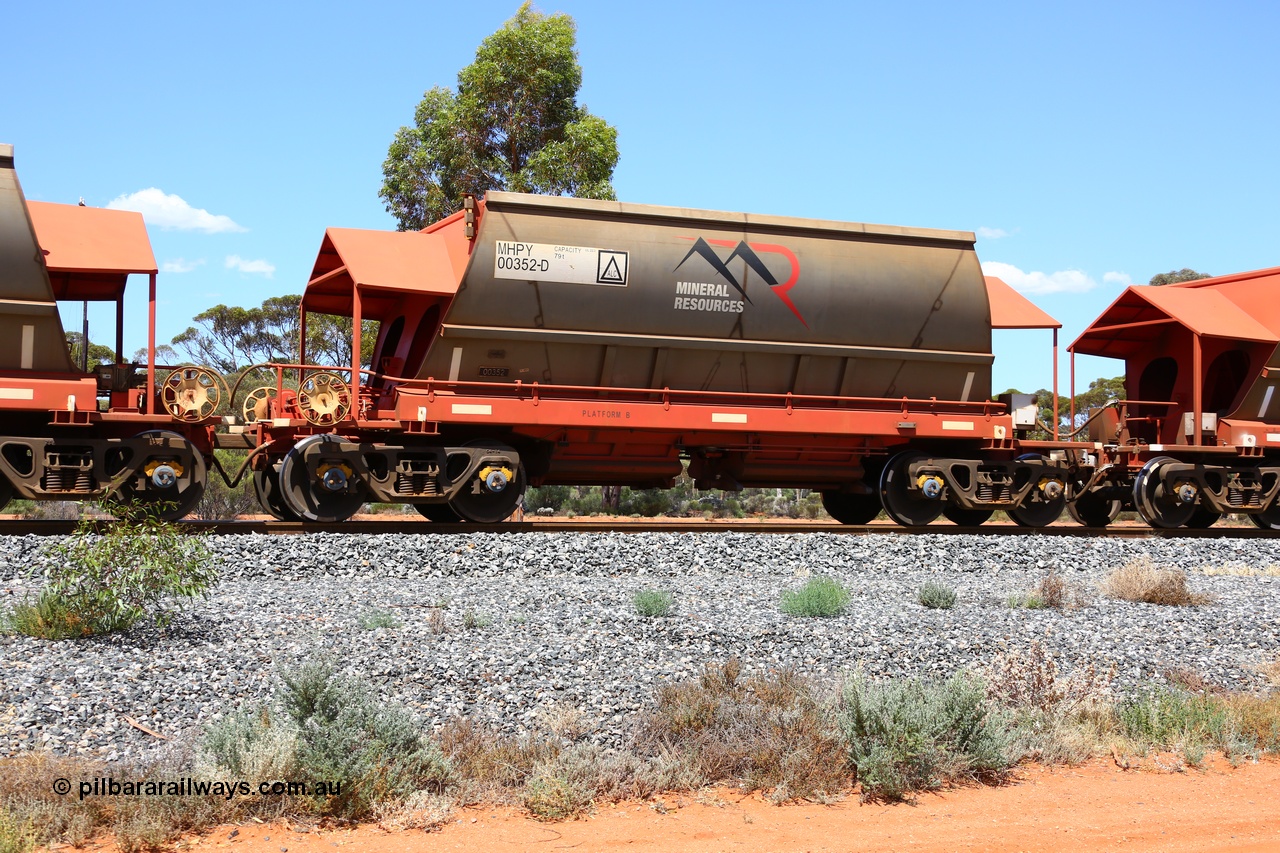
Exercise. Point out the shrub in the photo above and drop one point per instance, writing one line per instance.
(221, 501)
(821, 596)
(15, 836)
(647, 503)
(549, 497)
(371, 620)
(916, 735)
(1174, 719)
(487, 762)
(1142, 582)
(1051, 592)
(471, 620)
(653, 602)
(1272, 672)
(550, 796)
(936, 596)
(1259, 720)
(376, 752)
(98, 582)
(257, 743)
(764, 733)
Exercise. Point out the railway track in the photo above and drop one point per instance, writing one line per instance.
(20, 527)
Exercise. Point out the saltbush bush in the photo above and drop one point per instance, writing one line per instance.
(653, 602)
(915, 735)
(821, 596)
(936, 596)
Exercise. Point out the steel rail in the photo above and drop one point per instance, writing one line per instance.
(22, 527)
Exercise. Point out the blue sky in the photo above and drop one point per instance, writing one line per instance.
(1089, 144)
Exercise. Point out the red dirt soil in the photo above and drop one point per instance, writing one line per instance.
(1092, 808)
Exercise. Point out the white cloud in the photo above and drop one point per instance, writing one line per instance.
(235, 262)
(1121, 279)
(986, 233)
(180, 265)
(171, 211)
(1065, 281)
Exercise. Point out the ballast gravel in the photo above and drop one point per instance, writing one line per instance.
(545, 621)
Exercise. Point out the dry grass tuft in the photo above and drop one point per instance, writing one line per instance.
(1191, 681)
(488, 764)
(1272, 672)
(762, 733)
(1259, 719)
(1143, 582)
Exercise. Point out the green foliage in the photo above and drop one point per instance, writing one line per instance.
(936, 596)
(821, 596)
(102, 581)
(1101, 392)
(220, 501)
(471, 620)
(653, 602)
(15, 836)
(230, 339)
(514, 124)
(917, 735)
(98, 353)
(371, 620)
(550, 796)
(1177, 719)
(1177, 276)
(376, 751)
(1026, 600)
(550, 497)
(256, 743)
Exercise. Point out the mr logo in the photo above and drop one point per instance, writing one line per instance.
(747, 252)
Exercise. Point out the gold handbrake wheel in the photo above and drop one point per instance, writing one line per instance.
(257, 403)
(324, 399)
(191, 393)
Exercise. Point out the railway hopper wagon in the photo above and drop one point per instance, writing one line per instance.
(66, 433)
(1201, 435)
(535, 340)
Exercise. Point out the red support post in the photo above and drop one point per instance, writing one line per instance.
(1073, 388)
(302, 344)
(356, 321)
(1055, 390)
(1197, 382)
(120, 329)
(151, 346)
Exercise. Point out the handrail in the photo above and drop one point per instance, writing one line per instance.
(536, 391)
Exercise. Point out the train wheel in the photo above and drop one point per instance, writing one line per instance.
(6, 491)
(337, 498)
(439, 513)
(494, 492)
(966, 517)
(175, 500)
(266, 485)
(1092, 510)
(1038, 510)
(903, 505)
(851, 509)
(1157, 504)
(1269, 518)
(1203, 518)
